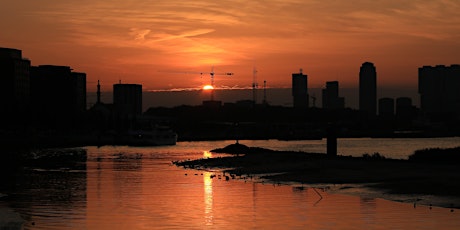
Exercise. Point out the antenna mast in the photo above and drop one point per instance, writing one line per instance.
(98, 93)
(254, 85)
(265, 92)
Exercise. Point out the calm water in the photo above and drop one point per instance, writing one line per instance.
(139, 188)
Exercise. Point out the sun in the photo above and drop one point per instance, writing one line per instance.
(208, 87)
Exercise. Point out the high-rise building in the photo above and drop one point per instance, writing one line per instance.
(57, 93)
(300, 90)
(386, 107)
(79, 86)
(368, 88)
(403, 103)
(15, 82)
(331, 99)
(439, 89)
(127, 99)
(404, 109)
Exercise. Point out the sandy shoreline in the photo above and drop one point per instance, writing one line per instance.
(428, 183)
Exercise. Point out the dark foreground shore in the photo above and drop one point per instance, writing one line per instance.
(434, 173)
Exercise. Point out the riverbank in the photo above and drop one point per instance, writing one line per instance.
(421, 176)
(9, 219)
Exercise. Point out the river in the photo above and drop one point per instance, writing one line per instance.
(139, 188)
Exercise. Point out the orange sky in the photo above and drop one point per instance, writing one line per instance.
(141, 41)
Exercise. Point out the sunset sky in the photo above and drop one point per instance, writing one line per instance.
(160, 43)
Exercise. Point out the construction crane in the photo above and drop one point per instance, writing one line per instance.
(211, 74)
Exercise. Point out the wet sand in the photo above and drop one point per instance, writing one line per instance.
(392, 178)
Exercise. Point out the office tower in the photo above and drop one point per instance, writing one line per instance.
(300, 90)
(439, 89)
(15, 82)
(331, 99)
(57, 93)
(127, 99)
(402, 104)
(386, 107)
(404, 108)
(368, 88)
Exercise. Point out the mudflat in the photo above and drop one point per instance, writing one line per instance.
(437, 175)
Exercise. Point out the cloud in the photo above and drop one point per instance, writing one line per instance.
(184, 34)
(139, 34)
(280, 34)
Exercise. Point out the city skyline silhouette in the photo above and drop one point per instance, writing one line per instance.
(135, 42)
(115, 114)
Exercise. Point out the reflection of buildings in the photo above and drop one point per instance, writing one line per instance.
(112, 185)
(300, 90)
(439, 89)
(57, 93)
(14, 89)
(368, 88)
(368, 209)
(331, 99)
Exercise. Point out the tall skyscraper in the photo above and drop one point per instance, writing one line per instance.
(300, 90)
(439, 89)
(368, 88)
(331, 99)
(15, 82)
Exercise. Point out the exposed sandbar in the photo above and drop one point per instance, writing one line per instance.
(418, 176)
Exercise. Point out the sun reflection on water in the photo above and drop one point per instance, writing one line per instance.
(208, 198)
(207, 154)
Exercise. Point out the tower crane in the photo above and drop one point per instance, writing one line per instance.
(211, 74)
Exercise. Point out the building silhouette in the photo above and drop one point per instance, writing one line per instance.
(405, 111)
(368, 88)
(79, 88)
(439, 89)
(15, 83)
(331, 99)
(300, 90)
(57, 94)
(386, 107)
(127, 99)
(403, 105)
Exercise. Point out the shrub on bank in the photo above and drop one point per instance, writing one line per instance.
(449, 155)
